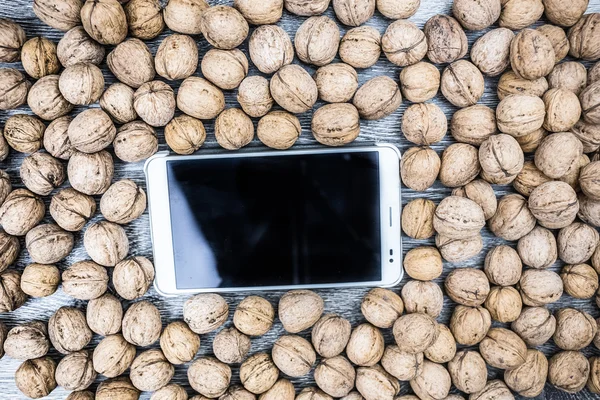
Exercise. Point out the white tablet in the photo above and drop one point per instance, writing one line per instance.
(309, 218)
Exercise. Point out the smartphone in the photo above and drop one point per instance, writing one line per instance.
(308, 218)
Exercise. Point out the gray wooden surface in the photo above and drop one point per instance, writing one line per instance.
(343, 301)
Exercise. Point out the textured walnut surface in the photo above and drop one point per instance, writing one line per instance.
(345, 302)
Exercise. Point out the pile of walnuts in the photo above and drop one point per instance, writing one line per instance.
(543, 138)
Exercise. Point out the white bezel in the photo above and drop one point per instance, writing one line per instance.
(160, 217)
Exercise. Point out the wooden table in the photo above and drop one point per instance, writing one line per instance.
(343, 301)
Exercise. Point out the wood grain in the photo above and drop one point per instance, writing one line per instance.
(343, 301)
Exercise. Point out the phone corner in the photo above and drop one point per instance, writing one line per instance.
(390, 146)
(162, 291)
(160, 154)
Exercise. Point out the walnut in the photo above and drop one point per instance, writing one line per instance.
(112, 356)
(503, 349)
(225, 68)
(590, 98)
(444, 347)
(501, 159)
(255, 97)
(588, 211)
(135, 141)
(40, 280)
(154, 102)
(303, 8)
(13, 88)
(299, 310)
(72, 210)
(104, 315)
(510, 83)
(335, 376)
(531, 141)
(205, 313)
(583, 38)
(513, 219)
(403, 366)
(423, 263)
(458, 218)
(531, 54)
(593, 384)
(360, 47)
(278, 130)
(131, 63)
(76, 46)
(495, 389)
(539, 287)
(81, 395)
(178, 343)
(529, 178)
(460, 165)
(5, 189)
(185, 16)
(562, 110)
(39, 58)
(24, 133)
(76, 371)
(294, 89)
(258, 373)
(35, 378)
(491, 52)
(142, 324)
(554, 204)
(425, 297)
(91, 130)
(568, 371)
(518, 115)
(313, 393)
(419, 168)
(176, 57)
(46, 100)
(317, 40)
(404, 43)
(48, 243)
(56, 138)
(398, 9)
(41, 173)
(11, 40)
(231, 346)
(4, 149)
(519, 14)
(417, 218)
(420, 82)
(281, 390)
(469, 325)
(481, 193)
(575, 329)
(105, 21)
(117, 101)
(21, 211)
(558, 38)
(414, 333)
(433, 383)
(563, 15)
(268, 12)
(577, 242)
(90, 174)
(504, 303)
(588, 179)
(234, 392)
(185, 134)
(375, 382)
(293, 355)
(474, 15)
(570, 75)
(467, 286)
(336, 124)
(353, 12)
(81, 84)
(270, 48)
(503, 266)
(145, 18)
(424, 124)
(336, 82)
(170, 392)
(366, 345)
(330, 335)
(468, 371)
(446, 39)
(535, 325)
(458, 250)
(132, 277)
(27, 341)
(473, 125)
(254, 316)
(381, 307)
(85, 280)
(593, 74)
(151, 371)
(120, 388)
(233, 129)
(223, 27)
(106, 243)
(200, 98)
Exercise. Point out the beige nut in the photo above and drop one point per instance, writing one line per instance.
(446, 40)
(38, 56)
(151, 371)
(178, 343)
(377, 98)
(90, 174)
(131, 63)
(330, 335)
(503, 349)
(76, 46)
(577, 242)
(68, 330)
(501, 159)
(491, 52)
(184, 16)
(39, 280)
(558, 212)
(583, 38)
(117, 101)
(375, 382)
(336, 82)
(458, 250)
(540, 287)
(434, 382)
(145, 18)
(300, 310)
(104, 315)
(135, 142)
(513, 218)
(589, 181)
(294, 89)
(458, 218)
(12, 39)
(529, 178)
(366, 345)
(568, 371)
(417, 218)
(535, 325)
(317, 40)
(404, 43)
(13, 88)
(570, 75)
(24, 133)
(46, 100)
(423, 263)
(398, 10)
(132, 277)
(302, 8)
(225, 68)
(258, 373)
(85, 280)
(558, 38)
(81, 84)
(35, 378)
(403, 366)
(233, 129)
(142, 324)
(27, 341)
(185, 134)
(71, 209)
(56, 138)
(462, 83)
(105, 21)
(475, 15)
(254, 316)
(48, 243)
(106, 243)
(360, 47)
(266, 12)
(482, 193)
(281, 390)
(154, 102)
(21, 211)
(519, 115)
(205, 313)
(425, 297)
(444, 347)
(468, 371)
(381, 307)
(223, 27)
(335, 376)
(293, 355)
(469, 325)
(270, 48)
(562, 110)
(531, 54)
(353, 12)
(231, 346)
(117, 387)
(414, 333)
(41, 173)
(172, 391)
(91, 131)
(419, 168)
(575, 329)
(76, 371)
(504, 303)
(336, 124)
(420, 82)
(424, 124)
(503, 266)
(254, 96)
(176, 57)
(529, 379)
(538, 248)
(510, 83)
(200, 99)
(278, 130)
(467, 286)
(460, 165)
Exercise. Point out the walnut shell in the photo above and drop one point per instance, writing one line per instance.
(336, 124)
(258, 373)
(446, 40)
(575, 329)
(270, 48)
(366, 345)
(381, 307)
(185, 134)
(335, 376)
(494, 389)
(105, 21)
(106, 243)
(76, 371)
(132, 277)
(535, 325)
(281, 390)
(303, 8)
(474, 15)
(48, 243)
(375, 382)
(414, 333)
(419, 82)
(554, 204)
(590, 99)
(317, 40)
(13, 88)
(151, 371)
(294, 89)
(503, 349)
(90, 174)
(460, 165)
(233, 129)
(255, 97)
(531, 54)
(469, 325)
(580, 281)
(279, 130)
(76, 46)
(491, 52)
(562, 110)
(117, 101)
(176, 57)
(583, 38)
(501, 159)
(558, 38)
(81, 84)
(519, 115)
(353, 12)
(444, 347)
(467, 286)
(4, 149)
(104, 315)
(267, 12)
(330, 335)
(419, 168)
(231, 346)
(424, 297)
(403, 366)
(503, 266)
(299, 310)
(11, 40)
(473, 125)
(504, 303)
(225, 68)
(254, 316)
(5, 189)
(423, 263)
(293, 355)
(529, 178)
(462, 83)
(377, 98)
(91, 130)
(570, 75)
(481, 193)
(178, 343)
(185, 16)
(398, 10)
(513, 218)
(424, 124)
(531, 141)
(458, 218)
(205, 313)
(313, 393)
(223, 27)
(41, 173)
(200, 98)
(120, 388)
(85, 280)
(40, 280)
(468, 371)
(360, 47)
(56, 138)
(540, 287)
(135, 141)
(234, 392)
(24, 133)
(458, 250)
(35, 378)
(336, 82)
(433, 383)
(577, 242)
(588, 211)
(72, 210)
(417, 218)
(593, 74)
(131, 63)
(593, 384)
(46, 100)
(170, 392)
(142, 324)
(39, 58)
(21, 211)
(588, 179)
(145, 18)
(404, 44)
(113, 355)
(27, 341)
(568, 371)
(154, 102)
